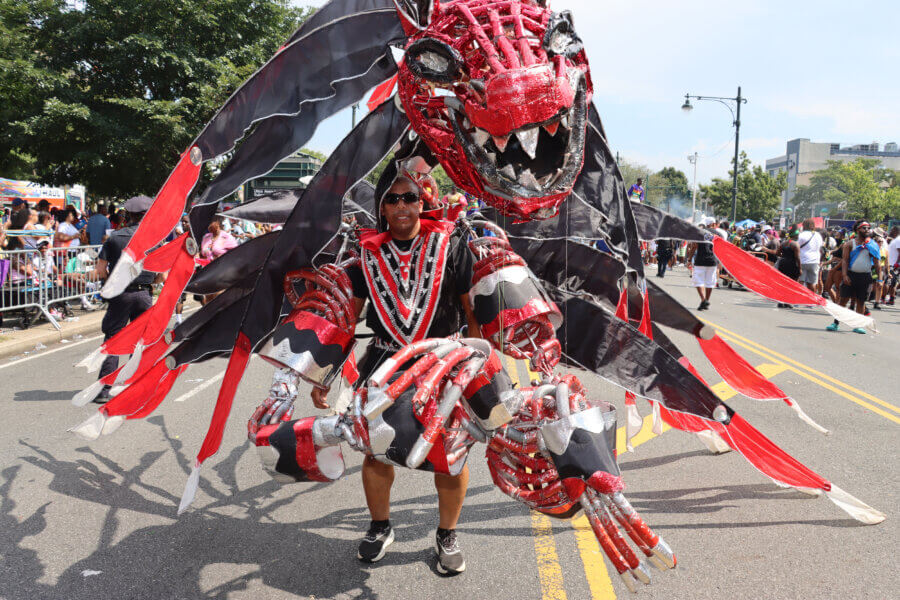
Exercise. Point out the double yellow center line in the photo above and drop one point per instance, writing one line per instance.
(866, 400)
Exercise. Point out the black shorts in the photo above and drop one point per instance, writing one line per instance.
(860, 285)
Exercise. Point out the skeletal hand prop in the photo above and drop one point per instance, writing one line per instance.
(548, 446)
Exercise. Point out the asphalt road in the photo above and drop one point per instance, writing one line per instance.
(98, 521)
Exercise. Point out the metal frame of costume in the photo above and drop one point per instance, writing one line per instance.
(499, 93)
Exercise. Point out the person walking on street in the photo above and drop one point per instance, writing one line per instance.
(704, 272)
(137, 297)
(788, 262)
(810, 246)
(859, 256)
(892, 278)
(663, 256)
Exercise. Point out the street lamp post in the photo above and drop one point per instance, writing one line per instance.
(693, 160)
(687, 107)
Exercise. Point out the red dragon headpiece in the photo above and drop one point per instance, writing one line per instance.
(499, 91)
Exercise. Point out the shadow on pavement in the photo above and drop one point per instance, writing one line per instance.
(237, 532)
(42, 395)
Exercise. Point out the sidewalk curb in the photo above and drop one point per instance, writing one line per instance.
(87, 324)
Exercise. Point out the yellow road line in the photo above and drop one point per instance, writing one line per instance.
(594, 564)
(828, 378)
(549, 569)
(592, 558)
(815, 380)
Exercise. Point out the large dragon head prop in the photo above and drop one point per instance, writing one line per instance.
(499, 91)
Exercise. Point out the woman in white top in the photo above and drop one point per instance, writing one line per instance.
(66, 232)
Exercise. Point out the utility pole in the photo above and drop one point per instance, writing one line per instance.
(687, 107)
(693, 160)
(737, 138)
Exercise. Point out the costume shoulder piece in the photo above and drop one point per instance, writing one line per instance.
(404, 285)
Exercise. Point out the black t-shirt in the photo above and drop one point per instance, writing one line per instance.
(112, 251)
(449, 316)
(704, 256)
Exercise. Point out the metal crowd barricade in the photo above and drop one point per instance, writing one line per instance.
(36, 280)
(70, 274)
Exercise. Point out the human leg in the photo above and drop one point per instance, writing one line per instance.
(451, 494)
(377, 481)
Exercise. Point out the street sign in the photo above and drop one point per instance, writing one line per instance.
(824, 211)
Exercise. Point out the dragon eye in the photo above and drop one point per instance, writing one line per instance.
(560, 38)
(434, 60)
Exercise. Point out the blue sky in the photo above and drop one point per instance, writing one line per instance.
(825, 70)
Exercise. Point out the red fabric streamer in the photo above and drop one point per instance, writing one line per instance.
(179, 275)
(737, 372)
(149, 357)
(233, 373)
(622, 313)
(166, 208)
(124, 342)
(161, 259)
(762, 278)
(760, 451)
(135, 396)
(159, 394)
(382, 92)
(349, 370)
(766, 456)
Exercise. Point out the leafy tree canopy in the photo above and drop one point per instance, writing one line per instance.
(115, 91)
(669, 189)
(758, 194)
(858, 189)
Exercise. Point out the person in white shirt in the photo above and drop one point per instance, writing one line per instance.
(66, 232)
(893, 265)
(810, 243)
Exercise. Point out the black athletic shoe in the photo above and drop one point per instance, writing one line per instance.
(103, 396)
(703, 305)
(374, 545)
(450, 560)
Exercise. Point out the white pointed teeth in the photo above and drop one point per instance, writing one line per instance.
(501, 141)
(492, 157)
(529, 140)
(564, 121)
(546, 179)
(466, 123)
(527, 179)
(552, 128)
(481, 136)
(509, 172)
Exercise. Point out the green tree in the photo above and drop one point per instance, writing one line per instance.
(320, 155)
(631, 171)
(668, 189)
(758, 195)
(23, 84)
(860, 188)
(134, 81)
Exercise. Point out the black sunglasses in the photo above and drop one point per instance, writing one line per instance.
(408, 198)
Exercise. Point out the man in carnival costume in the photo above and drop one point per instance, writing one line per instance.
(417, 274)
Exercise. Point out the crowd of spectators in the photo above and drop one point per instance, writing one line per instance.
(817, 257)
(47, 245)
